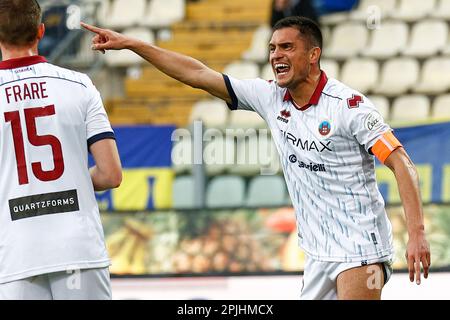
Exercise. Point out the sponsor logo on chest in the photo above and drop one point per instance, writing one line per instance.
(307, 145)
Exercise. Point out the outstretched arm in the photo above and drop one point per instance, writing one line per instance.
(418, 250)
(180, 67)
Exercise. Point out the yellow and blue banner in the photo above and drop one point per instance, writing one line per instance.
(145, 152)
(429, 148)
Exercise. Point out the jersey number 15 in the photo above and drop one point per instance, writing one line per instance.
(36, 140)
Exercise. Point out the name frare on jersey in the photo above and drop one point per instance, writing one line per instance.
(311, 166)
(307, 145)
(41, 204)
(373, 121)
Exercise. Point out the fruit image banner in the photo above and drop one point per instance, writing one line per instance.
(236, 241)
(145, 153)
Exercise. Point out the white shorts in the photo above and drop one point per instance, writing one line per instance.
(84, 284)
(319, 277)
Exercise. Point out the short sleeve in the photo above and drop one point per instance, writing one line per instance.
(98, 126)
(251, 94)
(369, 128)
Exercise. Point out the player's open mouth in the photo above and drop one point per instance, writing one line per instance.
(282, 68)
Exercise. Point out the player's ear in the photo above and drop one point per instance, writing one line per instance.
(41, 31)
(314, 55)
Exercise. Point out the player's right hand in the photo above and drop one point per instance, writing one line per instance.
(106, 39)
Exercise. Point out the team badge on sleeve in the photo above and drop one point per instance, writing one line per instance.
(373, 121)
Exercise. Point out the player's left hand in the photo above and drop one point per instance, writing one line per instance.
(417, 253)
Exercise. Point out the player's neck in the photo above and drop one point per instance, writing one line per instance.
(11, 52)
(304, 90)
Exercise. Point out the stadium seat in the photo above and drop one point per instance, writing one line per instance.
(258, 51)
(413, 10)
(331, 68)
(126, 58)
(364, 9)
(243, 119)
(213, 113)
(433, 33)
(410, 108)
(163, 13)
(347, 40)
(256, 155)
(442, 10)
(247, 156)
(435, 76)
(387, 41)
(183, 190)
(242, 70)
(226, 192)
(103, 13)
(331, 19)
(266, 191)
(267, 72)
(123, 15)
(441, 107)
(397, 76)
(182, 156)
(360, 74)
(326, 35)
(218, 152)
(382, 105)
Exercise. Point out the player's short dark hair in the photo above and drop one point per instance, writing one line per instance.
(19, 21)
(307, 28)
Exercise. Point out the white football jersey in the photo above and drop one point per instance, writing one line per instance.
(49, 218)
(325, 149)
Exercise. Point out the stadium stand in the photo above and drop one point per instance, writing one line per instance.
(266, 191)
(435, 76)
(163, 13)
(122, 15)
(360, 74)
(388, 40)
(365, 7)
(183, 193)
(405, 79)
(347, 40)
(410, 108)
(398, 75)
(441, 107)
(226, 192)
(420, 35)
(413, 10)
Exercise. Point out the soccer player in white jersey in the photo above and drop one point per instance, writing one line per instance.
(51, 238)
(326, 134)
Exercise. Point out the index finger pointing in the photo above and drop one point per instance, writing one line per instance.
(91, 28)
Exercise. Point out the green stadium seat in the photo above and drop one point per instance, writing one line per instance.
(226, 192)
(266, 191)
(183, 190)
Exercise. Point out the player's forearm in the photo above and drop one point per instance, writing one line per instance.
(178, 66)
(408, 186)
(104, 180)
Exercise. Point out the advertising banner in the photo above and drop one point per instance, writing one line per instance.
(237, 241)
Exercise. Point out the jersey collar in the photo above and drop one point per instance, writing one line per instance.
(21, 62)
(314, 100)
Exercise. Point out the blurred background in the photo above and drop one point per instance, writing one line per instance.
(203, 211)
